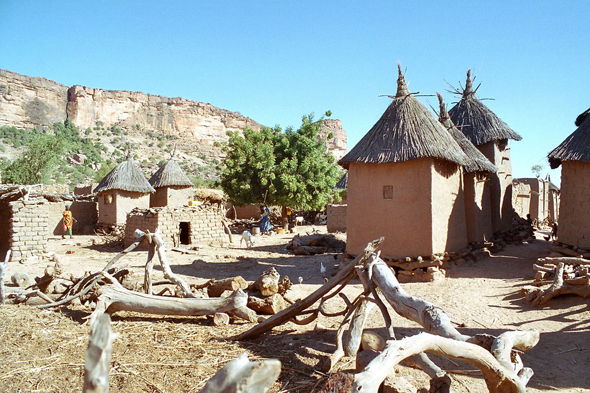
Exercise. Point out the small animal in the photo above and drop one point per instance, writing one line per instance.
(299, 220)
(247, 237)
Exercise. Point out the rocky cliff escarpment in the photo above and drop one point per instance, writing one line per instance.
(27, 102)
(179, 117)
(337, 145)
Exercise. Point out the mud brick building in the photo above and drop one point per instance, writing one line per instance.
(184, 225)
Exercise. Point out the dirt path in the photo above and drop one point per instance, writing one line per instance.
(44, 350)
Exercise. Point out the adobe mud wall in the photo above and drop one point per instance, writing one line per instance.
(574, 213)
(202, 223)
(336, 220)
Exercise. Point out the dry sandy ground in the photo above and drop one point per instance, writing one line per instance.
(43, 351)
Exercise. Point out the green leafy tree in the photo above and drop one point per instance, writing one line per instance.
(536, 169)
(290, 168)
(36, 164)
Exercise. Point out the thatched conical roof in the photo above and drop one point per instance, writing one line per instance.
(406, 131)
(342, 183)
(170, 174)
(575, 147)
(479, 124)
(477, 162)
(125, 176)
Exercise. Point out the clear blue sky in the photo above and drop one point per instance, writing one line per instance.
(275, 61)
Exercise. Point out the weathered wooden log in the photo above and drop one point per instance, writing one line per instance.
(98, 356)
(540, 296)
(161, 251)
(140, 236)
(296, 308)
(149, 267)
(269, 305)
(227, 230)
(415, 264)
(268, 282)
(216, 287)
(498, 378)
(565, 260)
(220, 319)
(432, 318)
(114, 297)
(242, 376)
(566, 251)
(308, 250)
(3, 267)
(21, 279)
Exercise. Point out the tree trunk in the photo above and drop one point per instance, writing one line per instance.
(499, 379)
(284, 218)
(116, 298)
(98, 356)
(243, 376)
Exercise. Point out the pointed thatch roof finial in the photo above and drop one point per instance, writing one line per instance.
(468, 85)
(402, 87)
(476, 162)
(476, 121)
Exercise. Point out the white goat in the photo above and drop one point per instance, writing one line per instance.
(247, 236)
(299, 220)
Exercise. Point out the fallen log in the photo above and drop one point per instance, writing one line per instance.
(268, 282)
(566, 251)
(113, 297)
(216, 287)
(559, 286)
(429, 316)
(168, 274)
(243, 376)
(565, 260)
(98, 356)
(498, 378)
(296, 308)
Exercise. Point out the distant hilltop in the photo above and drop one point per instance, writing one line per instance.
(27, 102)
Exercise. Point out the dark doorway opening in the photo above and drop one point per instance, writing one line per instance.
(185, 228)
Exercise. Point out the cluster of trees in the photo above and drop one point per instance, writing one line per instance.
(42, 157)
(282, 168)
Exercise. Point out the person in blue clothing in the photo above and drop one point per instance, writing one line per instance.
(264, 219)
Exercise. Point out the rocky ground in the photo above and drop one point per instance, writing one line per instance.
(43, 351)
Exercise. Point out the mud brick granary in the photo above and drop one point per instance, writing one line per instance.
(120, 191)
(172, 185)
(476, 184)
(573, 154)
(490, 135)
(405, 183)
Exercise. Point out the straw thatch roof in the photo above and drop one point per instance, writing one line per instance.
(477, 162)
(479, 124)
(170, 174)
(406, 131)
(342, 183)
(127, 177)
(575, 147)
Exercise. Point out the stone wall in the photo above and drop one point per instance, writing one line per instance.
(28, 228)
(336, 221)
(201, 223)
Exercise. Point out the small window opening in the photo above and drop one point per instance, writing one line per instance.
(387, 192)
(108, 199)
(184, 237)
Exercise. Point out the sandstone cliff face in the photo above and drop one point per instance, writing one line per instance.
(185, 119)
(27, 102)
(337, 145)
